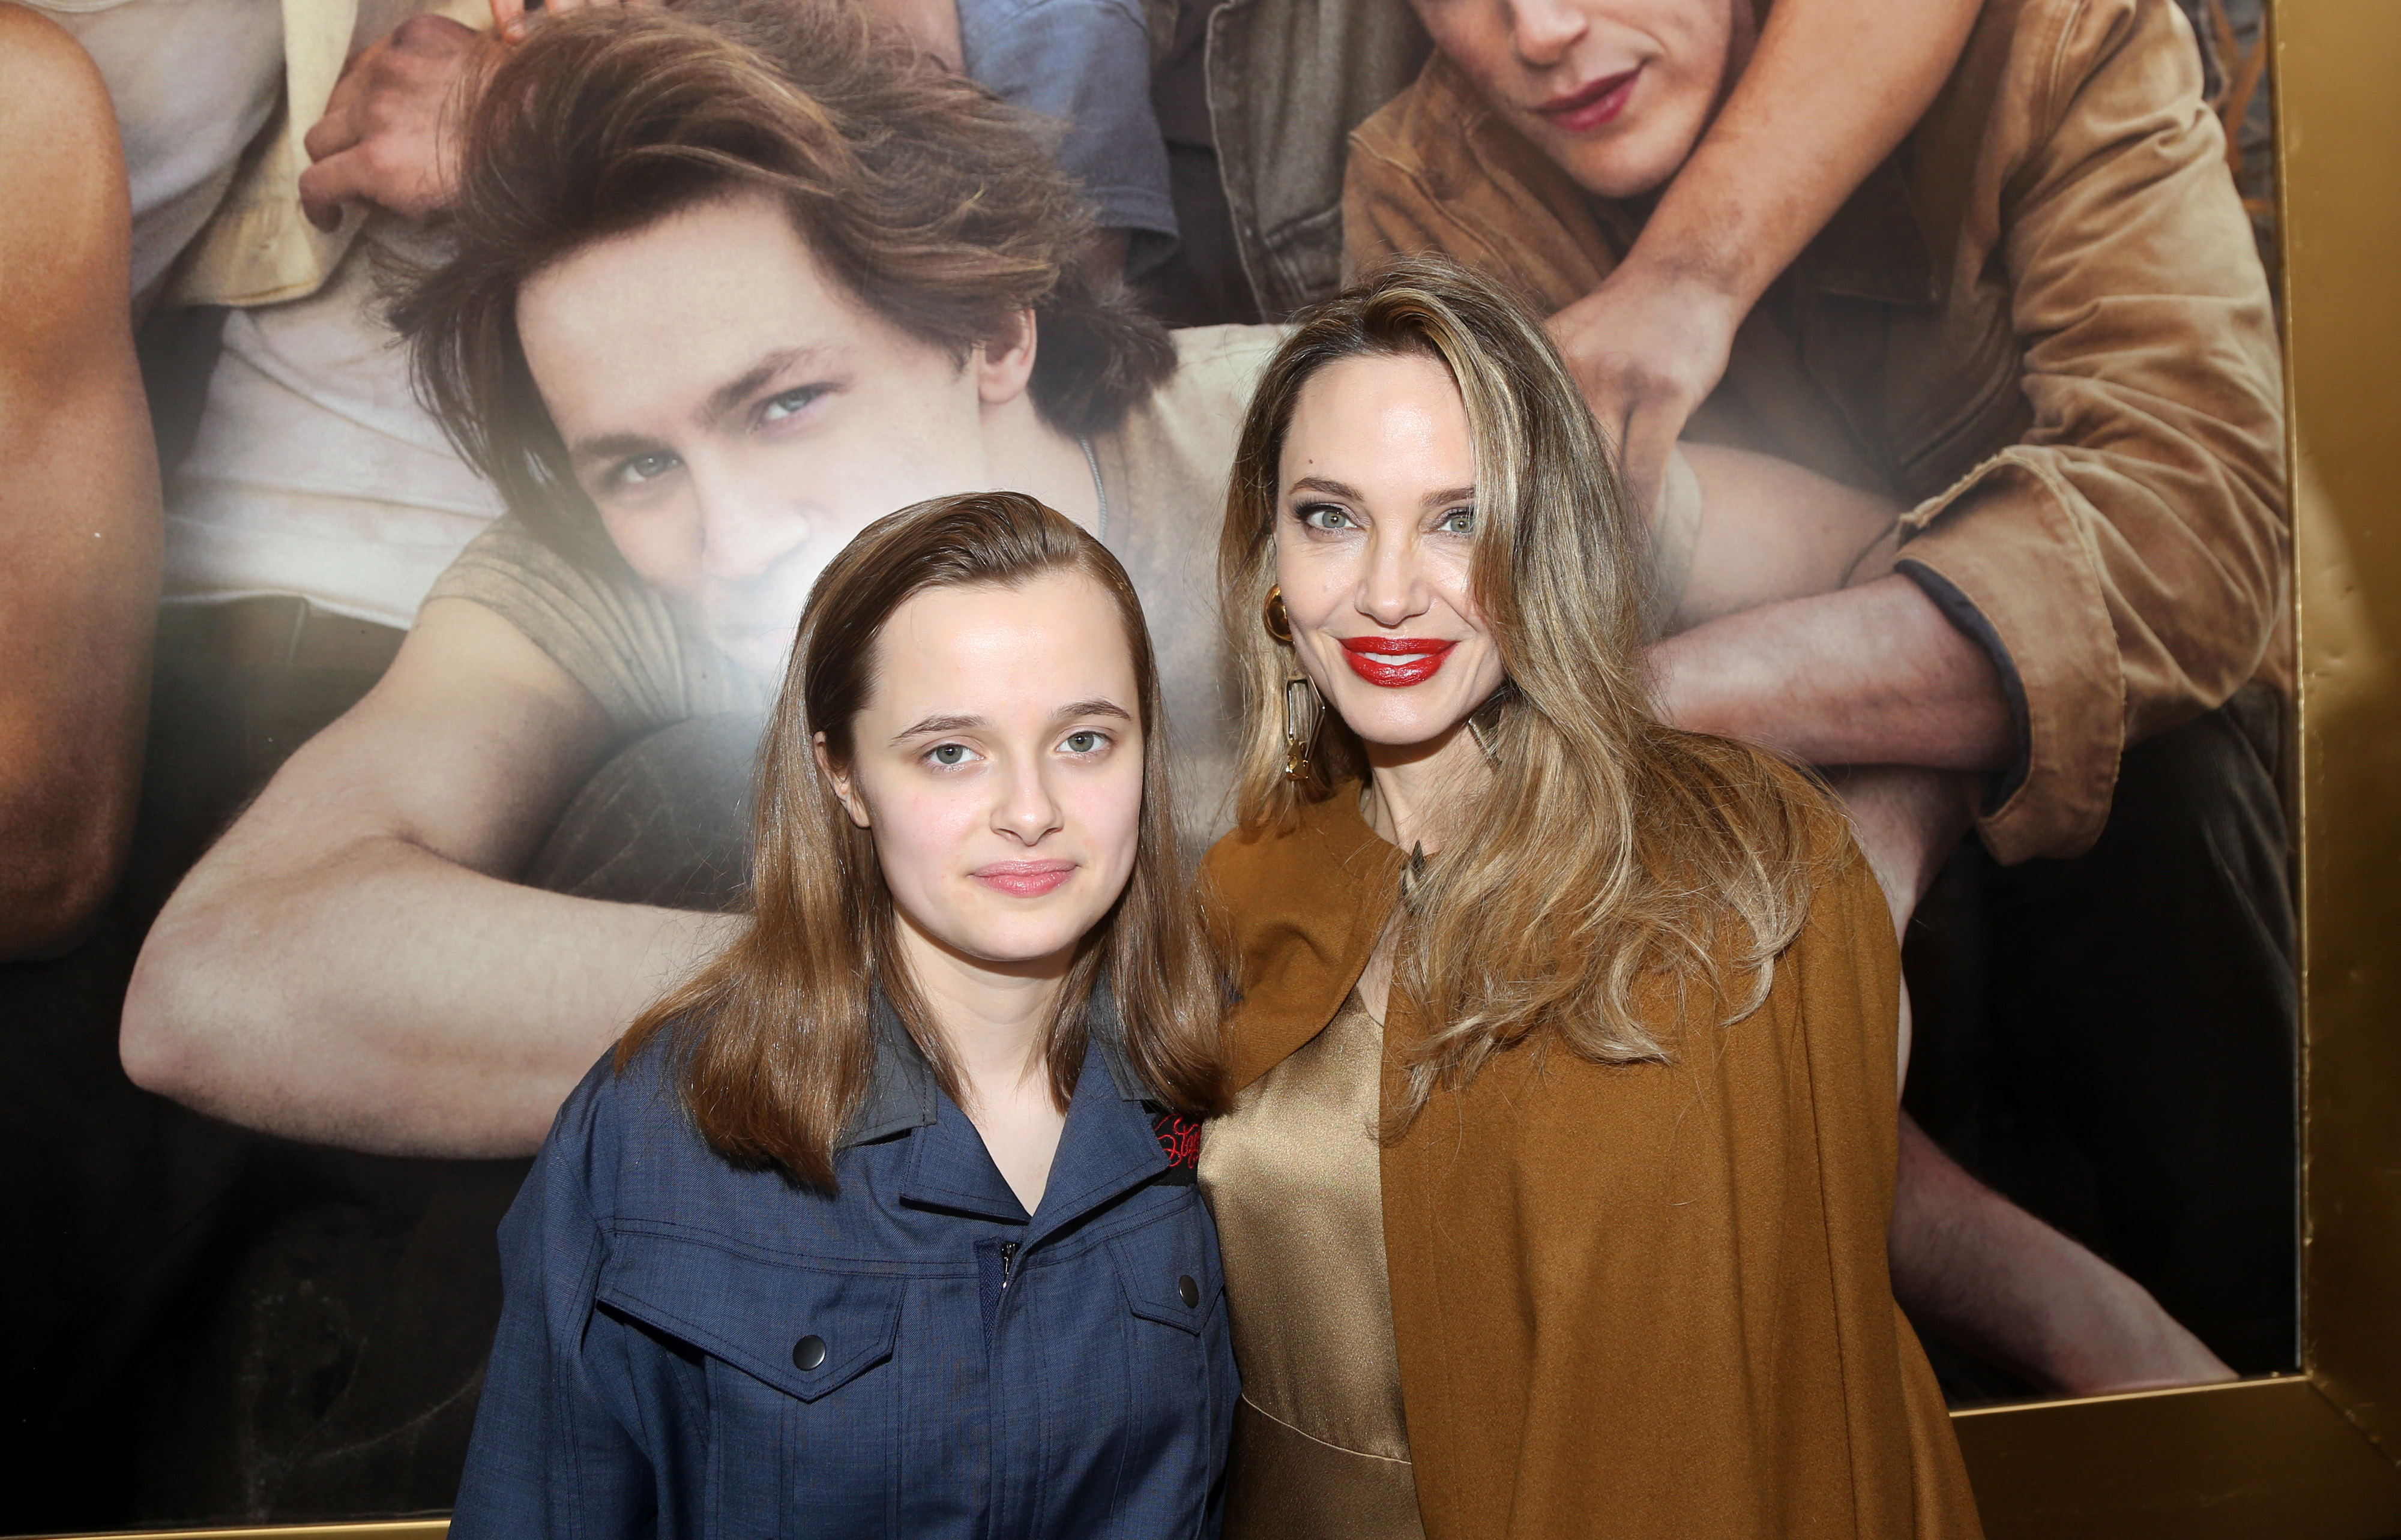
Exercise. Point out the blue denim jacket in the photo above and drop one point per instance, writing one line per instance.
(689, 1349)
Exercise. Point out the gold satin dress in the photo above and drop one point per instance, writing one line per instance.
(1292, 1174)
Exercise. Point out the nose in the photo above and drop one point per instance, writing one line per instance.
(746, 526)
(1543, 30)
(1027, 810)
(1392, 588)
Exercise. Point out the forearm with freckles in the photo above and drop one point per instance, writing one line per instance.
(1869, 675)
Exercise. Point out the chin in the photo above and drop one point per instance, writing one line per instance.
(1628, 164)
(1007, 946)
(1398, 731)
(1605, 173)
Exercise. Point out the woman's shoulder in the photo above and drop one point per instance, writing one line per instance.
(1310, 873)
(1241, 855)
(1327, 833)
(625, 1134)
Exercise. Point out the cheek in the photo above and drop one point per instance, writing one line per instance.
(1108, 807)
(661, 543)
(1458, 591)
(1450, 572)
(1315, 578)
(919, 834)
(857, 479)
(918, 435)
(1475, 36)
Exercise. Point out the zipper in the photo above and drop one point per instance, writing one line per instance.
(1008, 1262)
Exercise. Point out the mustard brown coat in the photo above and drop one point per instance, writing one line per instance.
(1638, 1301)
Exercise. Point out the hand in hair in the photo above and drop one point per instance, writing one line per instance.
(389, 136)
(932, 25)
(508, 16)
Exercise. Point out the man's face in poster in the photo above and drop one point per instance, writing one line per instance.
(1616, 92)
(735, 415)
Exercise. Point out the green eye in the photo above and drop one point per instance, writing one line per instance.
(948, 754)
(1459, 520)
(790, 401)
(1085, 742)
(1327, 516)
(645, 468)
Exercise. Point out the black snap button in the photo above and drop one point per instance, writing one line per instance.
(808, 1352)
(1188, 1291)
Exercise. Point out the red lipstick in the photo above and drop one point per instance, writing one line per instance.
(1024, 878)
(1395, 662)
(1590, 106)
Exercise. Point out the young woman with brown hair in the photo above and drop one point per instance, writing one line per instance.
(885, 1222)
(1555, 1196)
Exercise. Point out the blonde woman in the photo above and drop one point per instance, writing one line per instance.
(1555, 1196)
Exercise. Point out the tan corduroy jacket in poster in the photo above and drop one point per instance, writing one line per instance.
(2041, 325)
(1645, 1302)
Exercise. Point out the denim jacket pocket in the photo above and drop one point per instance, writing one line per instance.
(1169, 1270)
(805, 1331)
(793, 1400)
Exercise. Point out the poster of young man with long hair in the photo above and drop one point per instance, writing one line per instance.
(511, 380)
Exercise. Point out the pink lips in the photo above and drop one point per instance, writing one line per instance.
(1590, 106)
(1024, 878)
(1395, 662)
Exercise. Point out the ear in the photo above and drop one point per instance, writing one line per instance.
(852, 803)
(1003, 369)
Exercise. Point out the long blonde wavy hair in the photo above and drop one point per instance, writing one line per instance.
(1607, 851)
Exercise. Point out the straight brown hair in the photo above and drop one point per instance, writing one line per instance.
(1607, 849)
(773, 1040)
(930, 201)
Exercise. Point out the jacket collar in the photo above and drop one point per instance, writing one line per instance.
(1106, 1147)
(1306, 904)
(903, 1092)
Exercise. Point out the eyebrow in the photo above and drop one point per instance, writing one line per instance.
(723, 402)
(728, 398)
(610, 447)
(1092, 708)
(925, 726)
(1351, 494)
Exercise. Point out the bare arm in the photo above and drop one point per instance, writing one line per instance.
(1795, 633)
(351, 966)
(1832, 88)
(1874, 674)
(1770, 534)
(79, 524)
(1999, 1282)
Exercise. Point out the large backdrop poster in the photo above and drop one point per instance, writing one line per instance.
(390, 893)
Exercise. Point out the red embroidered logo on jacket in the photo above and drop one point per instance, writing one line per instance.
(1179, 1139)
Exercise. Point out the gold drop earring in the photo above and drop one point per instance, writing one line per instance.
(1304, 709)
(1484, 723)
